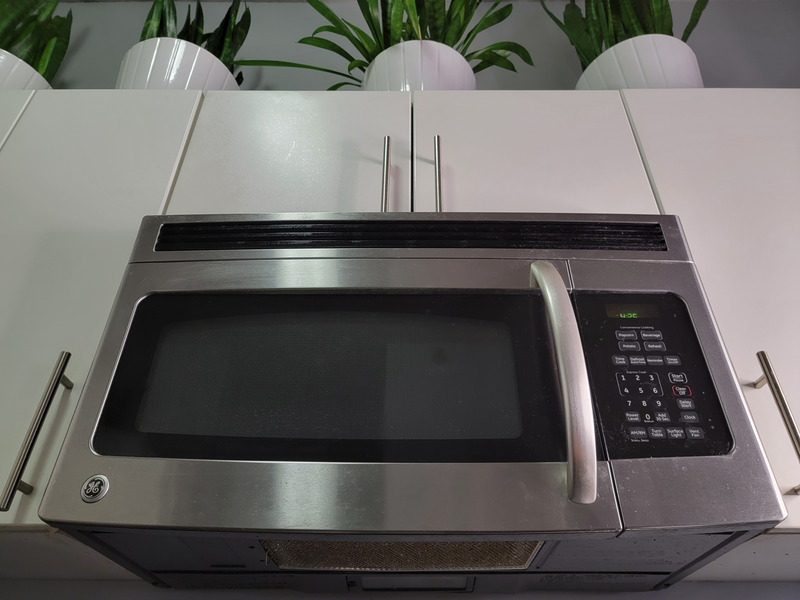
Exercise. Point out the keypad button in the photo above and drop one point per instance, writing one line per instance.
(651, 335)
(637, 361)
(655, 361)
(662, 417)
(619, 360)
(673, 361)
(695, 433)
(629, 346)
(678, 378)
(675, 433)
(685, 403)
(648, 418)
(633, 417)
(690, 417)
(657, 433)
(681, 390)
(655, 346)
(637, 432)
(626, 335)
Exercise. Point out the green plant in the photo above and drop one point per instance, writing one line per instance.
(224, 42)
(609, 22)
(29, 31)
(393, 21)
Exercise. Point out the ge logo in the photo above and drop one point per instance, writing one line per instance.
(95, 488)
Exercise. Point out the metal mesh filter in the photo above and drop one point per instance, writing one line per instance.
(400, 556)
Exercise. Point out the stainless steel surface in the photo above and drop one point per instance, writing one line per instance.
(684, 493)
(437, 170)
(783, 406)
(574, 382)
(760, 382)
(306, 497)
(15, 477)
(387, 169)
(143, 250)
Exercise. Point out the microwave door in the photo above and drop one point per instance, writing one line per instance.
(257, 403)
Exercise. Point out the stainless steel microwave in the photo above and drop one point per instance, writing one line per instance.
(447, 402)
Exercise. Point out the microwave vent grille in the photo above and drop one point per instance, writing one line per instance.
(323, 555)
(535, 235)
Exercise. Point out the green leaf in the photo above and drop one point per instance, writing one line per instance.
(496, 58)
(489, 20)
(337, 86)
(368, 43)
(239, 78)
(662, 17)
(593, 25)
(14, 17)
(334, 20)
(280, 63)
(152, 22)
(357, 64)
(578, 34)
(369, 9)
(396, 22)
(698, 9)
(240, 32)
(326, 29)
(511, 47)
(327, 45)
(436, 19)
(186, 31)
(644, 14)
(629, 19)
(169, 20)
(386, 11)
(413, 19)
(56, 47)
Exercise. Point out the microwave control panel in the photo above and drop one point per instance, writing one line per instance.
(652, 387)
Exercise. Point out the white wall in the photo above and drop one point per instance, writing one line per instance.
(739, 43)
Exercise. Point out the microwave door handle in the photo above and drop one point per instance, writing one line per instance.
(387, 170)
(574, 382)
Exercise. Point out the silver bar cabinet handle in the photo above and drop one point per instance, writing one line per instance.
(15, 482)
(789, 421)
(437, 174)
(387, 167)
(574, 380)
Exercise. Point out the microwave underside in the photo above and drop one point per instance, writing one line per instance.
(190, 560)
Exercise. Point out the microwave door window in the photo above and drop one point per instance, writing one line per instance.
(364, 378)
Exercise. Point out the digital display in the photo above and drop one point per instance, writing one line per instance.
(632, 311)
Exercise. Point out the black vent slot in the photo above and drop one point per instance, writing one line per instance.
(538, 235)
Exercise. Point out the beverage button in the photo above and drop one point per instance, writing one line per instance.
(678, 378)
(673, 361)
(657, 433)
(619, 361)
(695, 433)
(675, 433)
(629, 346)
(655, 361)
(655, 346)
(651, 335)
(685, 403)
(637, 432)
(637, 361)
(662, 417)
(633, 417)
(626, 335)
(690, 417)
(681, 390)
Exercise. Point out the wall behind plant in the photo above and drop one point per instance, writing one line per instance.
(739, 43)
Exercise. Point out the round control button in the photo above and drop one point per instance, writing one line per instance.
(95, 488)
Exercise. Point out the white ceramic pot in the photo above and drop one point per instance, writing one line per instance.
(16, 74)
(416, 65)
(170, 64)
(645, 61)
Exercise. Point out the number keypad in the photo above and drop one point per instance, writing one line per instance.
(640, 385)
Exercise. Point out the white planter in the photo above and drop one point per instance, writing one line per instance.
(16, 74)
(417, 65)
(170, 64)
(645, 61)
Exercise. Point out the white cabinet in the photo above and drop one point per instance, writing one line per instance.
(78, 172)
(538, 151)
(727, 162)
(267, 152)
(12, 104)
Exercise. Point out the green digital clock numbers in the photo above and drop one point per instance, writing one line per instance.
(631, 311)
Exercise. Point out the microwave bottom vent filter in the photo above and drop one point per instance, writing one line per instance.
(320, 555)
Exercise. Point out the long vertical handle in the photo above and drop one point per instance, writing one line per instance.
(387, 168)
(574, 379)
(789, 421)
(437, 168)
(15, 482)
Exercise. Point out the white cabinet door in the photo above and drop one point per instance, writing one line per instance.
(269, 152)
(12, 103)
(570, 152)
(77, 174)
(727, 162)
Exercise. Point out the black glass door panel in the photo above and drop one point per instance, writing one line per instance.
(336, 377)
